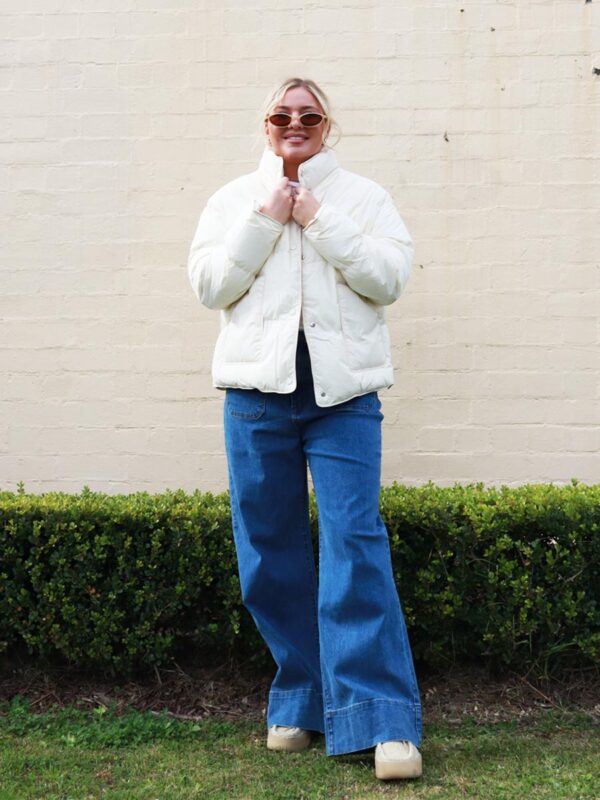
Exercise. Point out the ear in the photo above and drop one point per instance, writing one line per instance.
(266, 131)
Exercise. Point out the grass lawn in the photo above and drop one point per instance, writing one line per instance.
(70, 754)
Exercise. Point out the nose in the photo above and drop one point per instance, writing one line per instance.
(295, 121)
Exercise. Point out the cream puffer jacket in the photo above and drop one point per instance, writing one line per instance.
(340, 271)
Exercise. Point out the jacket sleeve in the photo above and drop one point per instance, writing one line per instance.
(223, 262)
(376, 265)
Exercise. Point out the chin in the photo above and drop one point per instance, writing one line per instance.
(301, 150)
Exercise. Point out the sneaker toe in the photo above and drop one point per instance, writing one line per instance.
(287, 737)
(397, 759)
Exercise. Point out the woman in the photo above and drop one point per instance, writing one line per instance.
(301, 256)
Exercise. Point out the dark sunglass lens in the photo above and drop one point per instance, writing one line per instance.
(280, 120)
(310, 119)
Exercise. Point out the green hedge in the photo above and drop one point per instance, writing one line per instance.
(510, 576)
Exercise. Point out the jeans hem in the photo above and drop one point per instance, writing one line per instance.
(300, 707)
(362, 725)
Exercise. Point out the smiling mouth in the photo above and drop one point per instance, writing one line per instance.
(296, 138)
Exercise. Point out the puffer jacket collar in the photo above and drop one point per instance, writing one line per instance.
(311, 172)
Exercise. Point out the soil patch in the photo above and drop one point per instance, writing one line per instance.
(234, 690)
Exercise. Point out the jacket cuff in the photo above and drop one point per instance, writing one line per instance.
(250, 243)
(333, 234)
(315, 218)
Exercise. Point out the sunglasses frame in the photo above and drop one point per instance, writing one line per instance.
(305, 114)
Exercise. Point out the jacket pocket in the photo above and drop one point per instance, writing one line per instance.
(361, 329)
(243, 335)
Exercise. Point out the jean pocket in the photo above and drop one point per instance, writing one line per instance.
(245, 403)
(364, 402)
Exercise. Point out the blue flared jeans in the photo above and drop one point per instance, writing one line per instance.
(338, 638)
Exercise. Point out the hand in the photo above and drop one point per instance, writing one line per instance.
(305, 206)
(280, 203)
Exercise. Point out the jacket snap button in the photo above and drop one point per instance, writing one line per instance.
(322, 394)
(312, 324)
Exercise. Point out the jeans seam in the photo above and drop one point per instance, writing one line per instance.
(308, 552)
(418, 719)
(347, 710)
(328, 718)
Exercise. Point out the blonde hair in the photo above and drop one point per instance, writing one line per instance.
(274, 97)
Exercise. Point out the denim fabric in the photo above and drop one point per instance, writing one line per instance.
(344, 664)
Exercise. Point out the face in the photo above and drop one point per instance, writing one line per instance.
(296, 143)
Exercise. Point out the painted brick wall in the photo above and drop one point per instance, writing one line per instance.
(120, 118)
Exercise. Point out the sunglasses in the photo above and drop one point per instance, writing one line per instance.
(309, 119)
